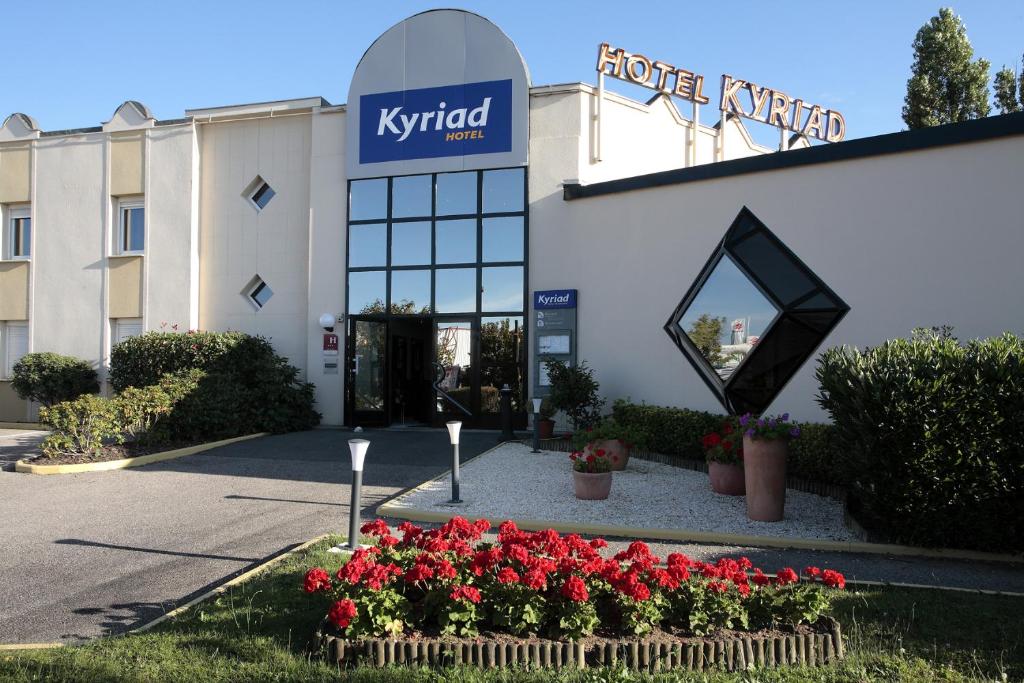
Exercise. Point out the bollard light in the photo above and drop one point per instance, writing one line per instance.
(536, 424)
(453, 436)
(357, 449)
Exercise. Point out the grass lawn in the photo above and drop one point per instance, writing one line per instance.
(260, 631)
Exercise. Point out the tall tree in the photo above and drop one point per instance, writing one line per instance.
(1005, 87)
(946, 84)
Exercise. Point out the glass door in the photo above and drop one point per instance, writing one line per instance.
(454, 372)
(366, 400)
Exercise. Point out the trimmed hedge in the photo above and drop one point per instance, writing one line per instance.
(815, 456)
(230, 383)
(50, 378)
(933, 432)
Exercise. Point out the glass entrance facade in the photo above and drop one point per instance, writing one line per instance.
(451, 248)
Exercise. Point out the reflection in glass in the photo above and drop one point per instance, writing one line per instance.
(369, 199)
(727, 318)
(410, 196)
(503, 239)
(369, 365)
(454, 353)
(410, 291)
(456, 241)
(501, 349)
(367, 245)
(503, 190)
(410, 243)
(502, 289)
(455, 290)
(366, 291)
(456, 193)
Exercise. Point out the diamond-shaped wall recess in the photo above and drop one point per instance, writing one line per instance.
(753, 317)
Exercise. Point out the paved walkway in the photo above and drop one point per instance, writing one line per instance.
(89, 554)
(16, 444)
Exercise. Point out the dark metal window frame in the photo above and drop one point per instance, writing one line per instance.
(481, 419)
(745, 226)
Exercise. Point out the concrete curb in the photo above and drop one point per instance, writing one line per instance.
(394, 510)
(222, 588)
(26, 467)
(27, 426)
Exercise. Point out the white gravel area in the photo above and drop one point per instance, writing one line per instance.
(510, 482)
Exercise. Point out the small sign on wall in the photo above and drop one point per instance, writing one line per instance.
(330, 344)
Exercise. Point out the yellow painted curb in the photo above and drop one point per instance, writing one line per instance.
(28, 468)
(393, 510)
(27, 426)
(29, 646)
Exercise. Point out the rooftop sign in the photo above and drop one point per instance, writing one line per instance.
(739, 97)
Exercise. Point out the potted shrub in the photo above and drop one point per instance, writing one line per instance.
(546, 423)
(591, 475)
(765, 446)
(724, 452)
(612, 438)
(574, 391)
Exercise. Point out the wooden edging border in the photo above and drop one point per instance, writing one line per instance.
(732, 654)
(26, 467)
(395, 510)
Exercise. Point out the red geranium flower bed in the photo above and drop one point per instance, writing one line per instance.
(447, 580)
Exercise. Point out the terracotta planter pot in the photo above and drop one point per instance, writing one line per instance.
(546, 429)
(727, 480)
(592, 486)
(617, 454)
(764, 466)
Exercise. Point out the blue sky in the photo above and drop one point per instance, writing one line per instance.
(74, 62)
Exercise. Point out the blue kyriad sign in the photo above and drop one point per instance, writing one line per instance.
(554, 298)
(451, 120)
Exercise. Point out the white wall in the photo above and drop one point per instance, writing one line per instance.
(170, 281)
(328, 200)
(69, 219)
(238, 242)
(916, 239)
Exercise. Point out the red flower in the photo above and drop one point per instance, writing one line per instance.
(387, 541)
(419, 572)
(535, 579)
(444, 570)
(833, 579)
(599, 452)
(743, 588)
(317, 580)
(717, 587)
(409, 531)
(591, 458)
(786, 576)
(711, 440)
(342, 613)
(574, 589)
(377, 527)
(727, 428)
(598, 543)
(482, 525)
(759, 578)
(727, 446)
(465, 593)
(508, 575)
(812, 572)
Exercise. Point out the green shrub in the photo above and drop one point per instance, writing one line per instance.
(575, 392)
(138, 412)
(83, 425)
(230, 383)
(670, 431)
(815, 456)
(933, 436)
(50, 378)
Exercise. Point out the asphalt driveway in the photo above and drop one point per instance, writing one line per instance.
(85, 555)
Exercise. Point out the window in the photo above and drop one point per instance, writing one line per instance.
(125, 328)
(15, 345)
(259, 193)
(752, 317)
(131, 234)
(258, 292)
(19, 232)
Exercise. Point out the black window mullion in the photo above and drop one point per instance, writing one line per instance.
(433, 247)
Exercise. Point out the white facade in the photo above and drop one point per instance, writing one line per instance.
(917, 238)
